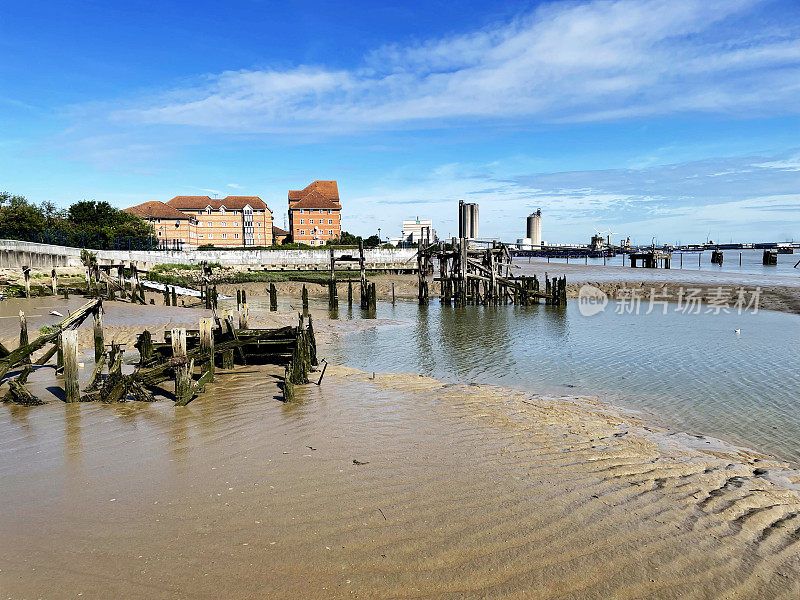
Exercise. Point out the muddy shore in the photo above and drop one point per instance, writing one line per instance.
(462, 491)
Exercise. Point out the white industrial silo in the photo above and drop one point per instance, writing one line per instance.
(467, 219)
(535, 227)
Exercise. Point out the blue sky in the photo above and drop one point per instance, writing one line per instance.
(677, 120)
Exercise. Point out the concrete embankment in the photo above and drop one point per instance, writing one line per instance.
(14, 253)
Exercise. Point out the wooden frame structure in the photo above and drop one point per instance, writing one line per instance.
(481, 276)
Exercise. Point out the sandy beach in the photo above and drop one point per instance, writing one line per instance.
(397, 486)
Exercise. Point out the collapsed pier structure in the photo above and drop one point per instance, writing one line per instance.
(188, 357)
(482, 276)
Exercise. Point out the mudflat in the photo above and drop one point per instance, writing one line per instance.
(397, 486)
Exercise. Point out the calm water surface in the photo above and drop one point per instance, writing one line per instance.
(692, 372)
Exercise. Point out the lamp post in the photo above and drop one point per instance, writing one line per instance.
(379, 238)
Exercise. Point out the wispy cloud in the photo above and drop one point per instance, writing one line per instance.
(571, 62)
(740, 197)
(235, 186)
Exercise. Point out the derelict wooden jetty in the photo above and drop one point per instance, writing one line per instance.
(482, 276)
(189, 358)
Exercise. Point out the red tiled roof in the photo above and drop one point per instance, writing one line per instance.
(328, 190)
(278, 231)
(315, 200)
(155, 209)
(230, 202)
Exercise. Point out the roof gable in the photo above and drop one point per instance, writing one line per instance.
(326, 189)
(229, 202)
(155, 209)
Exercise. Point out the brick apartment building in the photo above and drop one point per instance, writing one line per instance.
(198, 220)
(315, 213)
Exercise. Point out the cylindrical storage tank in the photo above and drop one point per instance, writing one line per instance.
(535, 228)
(474, 220)
(467, 222)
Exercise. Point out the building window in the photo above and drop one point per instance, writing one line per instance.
(224, 236)
(222, 210)
(208, 210)
(302, 221)
(330, 221)
(210, 235)
(302, 232)
(158, 220)
(200, 236)
(258, 223)
(236, 236)
(259, 235)
(329, 211)
(224, 224)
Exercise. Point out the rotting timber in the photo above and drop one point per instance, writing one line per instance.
(482, 276)
(189, 358)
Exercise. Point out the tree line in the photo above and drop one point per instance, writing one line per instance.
(92, 220)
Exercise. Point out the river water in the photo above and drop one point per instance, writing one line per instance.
(691, 372)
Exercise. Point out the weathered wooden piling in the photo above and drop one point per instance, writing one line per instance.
(350, 293)
(273, 298)
(183, 382)
(54, 282)
(227, 358)
(23, 334)
(174, 297)
(238, 300)
(207, 345)
(166, 296)
(144, 344)
(243, 317)
(26, 274)
(99, 343)
(69, 345)
(178, 339)
(303, 297)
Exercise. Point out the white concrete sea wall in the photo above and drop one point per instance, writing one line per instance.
(14, 253)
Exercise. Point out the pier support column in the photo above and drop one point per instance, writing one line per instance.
(69, 346)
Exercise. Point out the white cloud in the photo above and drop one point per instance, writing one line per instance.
(235, 186)
(748, 198)
(563, 62)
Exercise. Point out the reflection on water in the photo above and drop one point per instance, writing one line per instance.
(692, 371)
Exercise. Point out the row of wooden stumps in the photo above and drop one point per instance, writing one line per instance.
(482, 276)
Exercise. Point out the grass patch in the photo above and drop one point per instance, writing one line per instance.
(189, 279)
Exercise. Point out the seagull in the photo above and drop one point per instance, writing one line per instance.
(56, 313)
(737, 331)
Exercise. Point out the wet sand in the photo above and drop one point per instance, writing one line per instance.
(467, 491)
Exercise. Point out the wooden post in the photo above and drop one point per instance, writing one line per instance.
(238, 300)
(303, 296)
(69, 345)
(54, 282)
(99, 343)
(349, 293)
(174, 297)
(227, 359)
(23, 334)
(166, 296)
(740, 259)
(26, 273)
(273, 298)
(178, 339)
(362, 269)
(145, 345)
(393, 293)
(699, 257)
(207, 344)
(183, 383)
(243, 317)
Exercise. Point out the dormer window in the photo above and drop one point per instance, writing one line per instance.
(208, 210)
(222, 210)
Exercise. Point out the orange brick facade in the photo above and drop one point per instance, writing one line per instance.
(198, 220)
(315, 213)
